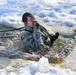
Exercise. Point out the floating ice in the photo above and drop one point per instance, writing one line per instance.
(11, 73)
(2, 2)
(71, 1)
(4, 62)
(42, 14)
(43, 65)
(46, 19)
(57, 12)
(73, 10)
(53, 14)
(68, 23)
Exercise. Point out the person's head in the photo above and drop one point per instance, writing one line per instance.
(28, 19)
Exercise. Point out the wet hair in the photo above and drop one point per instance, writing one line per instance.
(25, 15)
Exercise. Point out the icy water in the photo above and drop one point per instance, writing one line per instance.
(58, 18)
(11, 46)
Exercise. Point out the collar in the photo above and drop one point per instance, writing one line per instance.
(29, 28)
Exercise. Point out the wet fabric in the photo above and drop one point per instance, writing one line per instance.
(36, 38)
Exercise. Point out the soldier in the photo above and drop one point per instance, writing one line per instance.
(35, 36)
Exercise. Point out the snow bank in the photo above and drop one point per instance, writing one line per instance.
(71, 1)
(14, 21)
(71, 59)
(42, 67)
(2, 2)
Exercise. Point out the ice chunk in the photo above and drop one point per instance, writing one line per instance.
(68, 23)
(73, 10)
(46, 19)
(71, 1)
(4, 62)
(42, 14)
(53, 14)
(43, 64)
(2, 73)
(12, 73)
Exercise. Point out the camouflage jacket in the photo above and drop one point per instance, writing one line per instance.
(34, 37)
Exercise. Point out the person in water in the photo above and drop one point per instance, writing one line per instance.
(34, 35)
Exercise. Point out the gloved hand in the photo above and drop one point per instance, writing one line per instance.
(53, 37)
(56, 35)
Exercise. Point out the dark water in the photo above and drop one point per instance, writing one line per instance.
(12, 39)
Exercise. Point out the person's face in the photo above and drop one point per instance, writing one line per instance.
(30, 21)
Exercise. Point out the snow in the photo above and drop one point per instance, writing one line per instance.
(71, 59)
(71, 1)
(42, 8)
(46, 19)
(42, 14)
(68, 23)
(2, 2)
(14, 21)
(49, 11)
(43, 66)
(2, 62)
(35, 68)
(73, 10)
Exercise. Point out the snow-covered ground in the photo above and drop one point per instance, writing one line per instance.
(59, 15)
(71, 1)
(62, 16)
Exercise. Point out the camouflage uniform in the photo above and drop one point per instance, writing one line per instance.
(36, 38)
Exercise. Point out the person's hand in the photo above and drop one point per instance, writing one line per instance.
(34, 22)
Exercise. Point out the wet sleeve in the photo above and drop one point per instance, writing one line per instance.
(34, 40)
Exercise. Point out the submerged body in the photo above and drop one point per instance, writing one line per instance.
(35, 36)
